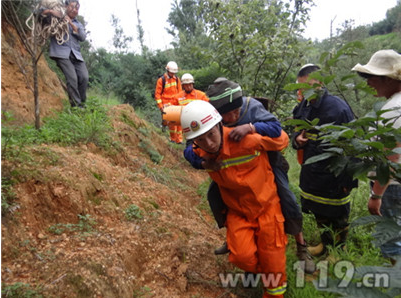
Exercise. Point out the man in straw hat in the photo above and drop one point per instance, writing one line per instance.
(383, 73)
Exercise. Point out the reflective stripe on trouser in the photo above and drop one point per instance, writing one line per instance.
(326, 201)
(175, 133)
(258, 246)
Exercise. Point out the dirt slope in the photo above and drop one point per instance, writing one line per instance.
(68, 234)
(16, 95)
(167, 253)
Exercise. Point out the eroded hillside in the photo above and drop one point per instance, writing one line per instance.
(73, 232)
(89, 222)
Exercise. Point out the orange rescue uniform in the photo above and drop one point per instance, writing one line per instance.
(255, 223)
(184, 98)
(167, 96)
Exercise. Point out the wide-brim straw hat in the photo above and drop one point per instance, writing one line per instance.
(383, 63)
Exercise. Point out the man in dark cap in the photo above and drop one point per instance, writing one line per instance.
(249, 116)
(326, 195)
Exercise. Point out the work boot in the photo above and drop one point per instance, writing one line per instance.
(222, 250)
(317, 250)
(303, 255)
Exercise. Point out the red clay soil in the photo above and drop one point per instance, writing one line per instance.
(68, 233)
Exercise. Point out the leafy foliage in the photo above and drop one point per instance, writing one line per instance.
(391, 23)
(257, 42)
(350, 146)
(191, 38)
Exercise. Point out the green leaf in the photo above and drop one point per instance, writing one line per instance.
(383, 173)
(335, 150)
(376, 145)
(370, 219)
(301, 124)
(397, 150)
(346, 77)
(377, 106)
(347, 133)
(319, 157)
(360, 169)
(296, 86)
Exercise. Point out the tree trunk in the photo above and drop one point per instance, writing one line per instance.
(36, 92)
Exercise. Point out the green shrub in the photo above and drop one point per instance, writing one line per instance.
(85, 225)
(19, 290)
(133, 212)
(74, 125)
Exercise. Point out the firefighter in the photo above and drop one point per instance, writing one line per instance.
(167, 87)
(189, 93)
(255, 223)
(239, 112)
(323, 194)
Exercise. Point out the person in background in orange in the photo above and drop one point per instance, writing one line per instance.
(167, 87)
(189, 93)
(255, 223)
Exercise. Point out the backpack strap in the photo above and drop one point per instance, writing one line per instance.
(163, 82)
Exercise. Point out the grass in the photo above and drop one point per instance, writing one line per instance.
(7, 195)
(20, 290)
(85, 226)
(70, 127)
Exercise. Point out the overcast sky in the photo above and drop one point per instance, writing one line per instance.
(154, 13)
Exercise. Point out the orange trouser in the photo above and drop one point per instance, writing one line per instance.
(175, 132)
(258, 246)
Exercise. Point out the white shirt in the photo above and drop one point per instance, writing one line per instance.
(394, 102)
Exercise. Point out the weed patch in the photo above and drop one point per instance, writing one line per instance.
(133, 212)
(154, 155)
(20, 290)
(85, 225)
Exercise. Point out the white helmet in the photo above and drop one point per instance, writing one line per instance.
(172, 67)
(197, 118)
(187, 78)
